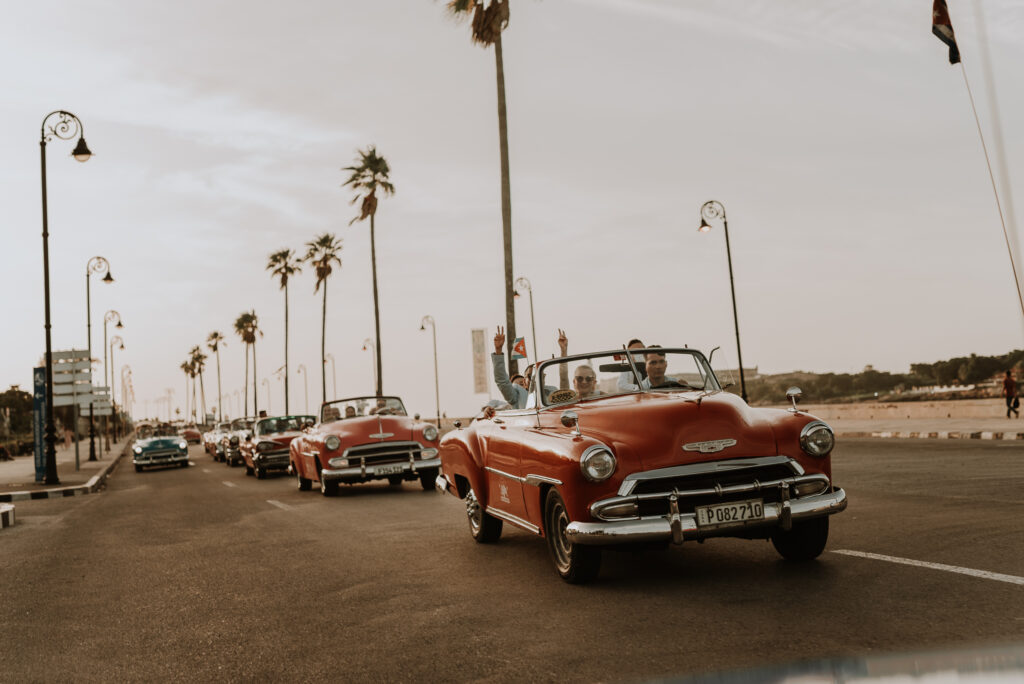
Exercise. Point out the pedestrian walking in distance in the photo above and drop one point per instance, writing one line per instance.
(1010, 392)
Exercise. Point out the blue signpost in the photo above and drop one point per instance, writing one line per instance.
(39, 419)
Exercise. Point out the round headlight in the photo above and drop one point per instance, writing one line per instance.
(597, 463)
(332, 442)
(137, 449)
(266, 446)
(183, 445)
(817, 439)
(430, 433)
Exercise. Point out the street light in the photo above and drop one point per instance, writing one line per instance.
(305, 383)
(109, 317)
(437, 391)
(334, 373)
(116, 339)
(368, 345)
(94, 265)
(66, 126)
(711, 211)
(525, 284)
(267, 383)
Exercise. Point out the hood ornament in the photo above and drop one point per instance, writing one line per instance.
(380, 431)
(710, 447)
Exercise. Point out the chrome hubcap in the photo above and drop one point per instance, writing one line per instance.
(559, 542)
(473, 512)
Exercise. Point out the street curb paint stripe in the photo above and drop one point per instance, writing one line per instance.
(94, 484)
(282, 506)
(983, 574)
(6, 515)
(229, 484)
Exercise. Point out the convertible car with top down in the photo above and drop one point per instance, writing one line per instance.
(266, 449)
(361, 439)
(644, 447)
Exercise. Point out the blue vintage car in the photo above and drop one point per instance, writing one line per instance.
(160, 449)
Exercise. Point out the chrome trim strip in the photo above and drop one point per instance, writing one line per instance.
(532, 480)
(364, 471)
(630, 482)
(400, 448)
(517, 521)
(684, 526)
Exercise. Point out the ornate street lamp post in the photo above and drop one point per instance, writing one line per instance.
(305, 383)
(429, 320)
(711, 211)
(115, 340)
(109, 317)
(63, 125)
(94, 265)
(525, 284)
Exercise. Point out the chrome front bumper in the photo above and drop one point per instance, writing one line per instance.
(679, 527)
(271, 461)
(369, 472)
(143, 460)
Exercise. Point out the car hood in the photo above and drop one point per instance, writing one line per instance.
(159, 443)
(282, 438)
(661, 430)
(364, 429)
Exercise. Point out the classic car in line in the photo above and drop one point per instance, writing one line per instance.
(642, 447)
(191, 434)
(212, 440)
(239, 431)
(266, 450)
(361, 439)
(158, 446)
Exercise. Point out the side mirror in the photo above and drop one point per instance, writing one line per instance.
(416, 416)
(794, 394)
(571, 419)
(457, 424)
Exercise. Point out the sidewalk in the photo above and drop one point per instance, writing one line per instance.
(17, 476)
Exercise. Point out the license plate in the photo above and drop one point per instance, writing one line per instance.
(389, 469)
(737, 512)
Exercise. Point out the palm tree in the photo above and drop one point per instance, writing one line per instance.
(214, 341)
(198, 359)
(186, 367)
(368, 175)
(490, 18)
(247, 327)
(322, 251)
(282, 264)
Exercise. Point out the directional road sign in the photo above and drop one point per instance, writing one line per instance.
(72, 354)
(68, 366)
(69, 388)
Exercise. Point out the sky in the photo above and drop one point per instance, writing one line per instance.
(862, 223)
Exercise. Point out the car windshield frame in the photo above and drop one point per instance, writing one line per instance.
(303, 419)
(369, 399)
(537, 400)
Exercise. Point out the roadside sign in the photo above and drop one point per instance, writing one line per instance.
(68, 366)
(72, 388)
(68, 378)
(80, 400)
(72, 355)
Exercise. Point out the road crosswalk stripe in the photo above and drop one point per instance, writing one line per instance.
(984, 574)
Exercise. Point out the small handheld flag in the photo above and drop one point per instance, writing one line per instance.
(942, 27)
(519, 349)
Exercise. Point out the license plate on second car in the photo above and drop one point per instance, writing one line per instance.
(389, 469)
(737, 512)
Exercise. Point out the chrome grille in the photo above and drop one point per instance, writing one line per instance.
(383, 452)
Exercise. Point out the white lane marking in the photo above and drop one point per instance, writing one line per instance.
(282, 506)
(229, 484)
(984, 574)
(206, 470)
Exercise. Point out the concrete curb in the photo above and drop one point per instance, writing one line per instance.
(936, 435)
(94, 484)
(6, 515)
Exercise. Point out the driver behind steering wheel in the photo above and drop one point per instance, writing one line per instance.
(657, 364)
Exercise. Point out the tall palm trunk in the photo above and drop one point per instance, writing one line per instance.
(286, 349)
(323, 344)
(255, 382)
(193, 398)
(220, 408)
(245, 404)
(202, 395)
(376, 304)
(186, 395)
(506, 209)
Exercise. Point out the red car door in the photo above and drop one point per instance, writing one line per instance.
(500, 449)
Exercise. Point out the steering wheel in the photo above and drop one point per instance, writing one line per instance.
(562, 396)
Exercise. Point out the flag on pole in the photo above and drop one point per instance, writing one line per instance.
(942, 27)
(519, 348)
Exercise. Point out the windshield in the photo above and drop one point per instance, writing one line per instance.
(361, 406)
(241, 424)
(590, 376)
(283, 424)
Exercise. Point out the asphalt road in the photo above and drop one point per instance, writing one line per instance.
(204, 574)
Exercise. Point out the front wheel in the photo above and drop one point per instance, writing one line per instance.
(328, 487)
(484, 527)
(428, 479)
(261, 474)
(804, 541)
(575, 563)
(303, 483)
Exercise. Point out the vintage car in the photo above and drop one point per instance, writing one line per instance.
(238, 431)
(266, 449)
(191, 434)
(212, 440)
(159, 447)
(642, 448)
(362, 439)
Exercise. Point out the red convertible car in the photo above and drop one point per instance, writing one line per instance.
(362, 439)
(266, 448)
(615, 448)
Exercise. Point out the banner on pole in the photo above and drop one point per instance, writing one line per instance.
(479, 361)
(39, 419)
